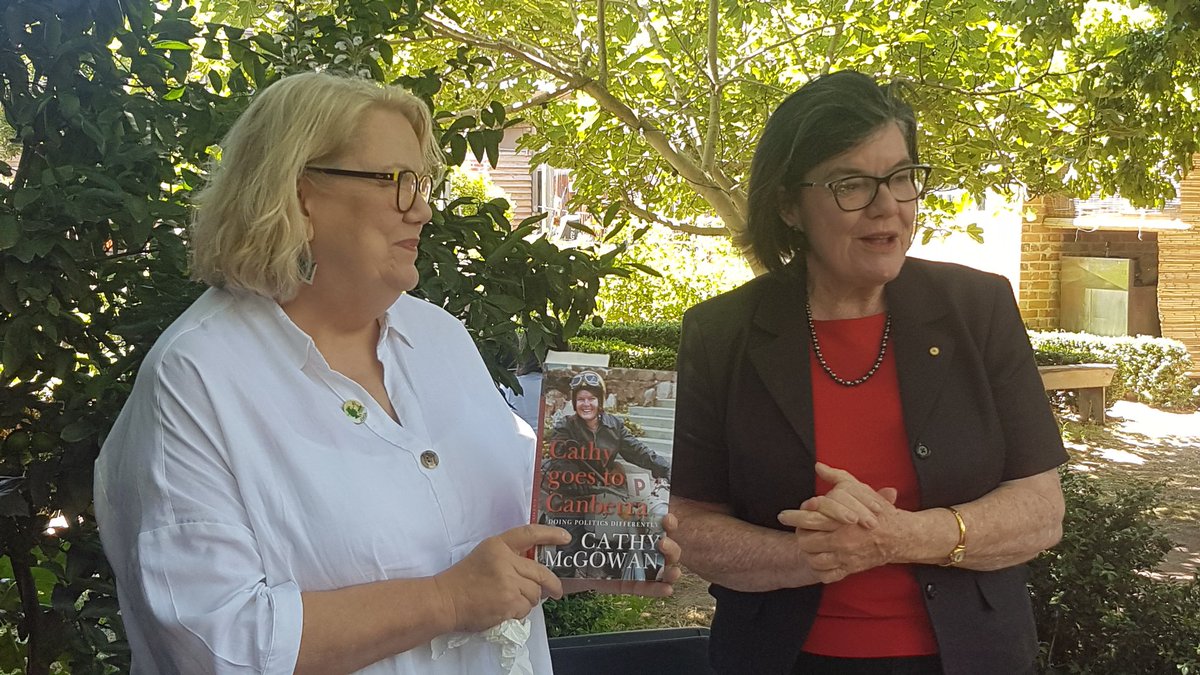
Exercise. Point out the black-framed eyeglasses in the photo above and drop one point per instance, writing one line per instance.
(587, 378)
(855, 193)
(408, 183)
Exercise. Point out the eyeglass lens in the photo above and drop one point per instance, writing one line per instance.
(857, 192)
(409, 186)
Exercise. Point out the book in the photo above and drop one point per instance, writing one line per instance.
(603, 471)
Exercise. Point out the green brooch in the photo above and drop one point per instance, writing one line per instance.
(355, 411)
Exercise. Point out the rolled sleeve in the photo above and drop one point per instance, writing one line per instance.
(205, 596)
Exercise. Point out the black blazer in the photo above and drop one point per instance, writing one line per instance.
(974, 409)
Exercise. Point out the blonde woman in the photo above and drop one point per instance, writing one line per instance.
(314, 472)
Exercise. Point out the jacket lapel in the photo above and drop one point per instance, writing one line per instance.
(779, 350)
(923, 347)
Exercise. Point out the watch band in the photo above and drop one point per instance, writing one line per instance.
(956, 554)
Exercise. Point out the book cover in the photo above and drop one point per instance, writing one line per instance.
(604, 471)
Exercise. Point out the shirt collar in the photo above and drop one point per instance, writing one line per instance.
(295, 344)
(300, 348)
(392, 321)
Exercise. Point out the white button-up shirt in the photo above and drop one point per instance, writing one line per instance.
(233, 481)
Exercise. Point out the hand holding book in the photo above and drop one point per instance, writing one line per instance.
(668, 574)
(599, 474)
(496, 581)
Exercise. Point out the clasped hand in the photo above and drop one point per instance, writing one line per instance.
(850, 529)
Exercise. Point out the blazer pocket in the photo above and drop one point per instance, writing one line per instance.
(1005, 590)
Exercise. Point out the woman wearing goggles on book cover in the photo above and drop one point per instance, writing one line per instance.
(314, 472)
(864, 455)
(594, 440)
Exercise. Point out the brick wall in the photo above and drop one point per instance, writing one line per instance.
(1142, 247)
(1170, 257)
(1041, 256)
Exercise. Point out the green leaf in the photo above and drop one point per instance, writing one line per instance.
(610, 213)
(174, 94)
(68, 104)
(172, 45)
(24, 197)
(507, 303)
(77, 431)
(212, 50)
(9, 231)
(645, 268)
(458, 150)
(460, 124)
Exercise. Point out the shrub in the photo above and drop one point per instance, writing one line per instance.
(1097, 610)
(1150, 370)
(652, 334)
(586, 613)
(626, 355)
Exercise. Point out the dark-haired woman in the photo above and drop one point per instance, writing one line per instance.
(864, 456)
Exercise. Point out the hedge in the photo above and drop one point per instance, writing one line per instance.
(625, 355)
(1150, 370)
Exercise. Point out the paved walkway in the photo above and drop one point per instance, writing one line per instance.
(1155, 445)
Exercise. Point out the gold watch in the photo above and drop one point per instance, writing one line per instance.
(956, 554)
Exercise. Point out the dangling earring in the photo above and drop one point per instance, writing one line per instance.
(308, 270)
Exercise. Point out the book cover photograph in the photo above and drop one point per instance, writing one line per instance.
(604, 470)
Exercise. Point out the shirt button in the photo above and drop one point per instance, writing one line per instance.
(429, 459)
(923, 451)
(934, 351)
(931, 591)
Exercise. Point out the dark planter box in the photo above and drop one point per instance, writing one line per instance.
(662, 651)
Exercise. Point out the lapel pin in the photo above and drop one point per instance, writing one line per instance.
(356, 411)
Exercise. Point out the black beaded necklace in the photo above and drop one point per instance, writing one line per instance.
(812, 329)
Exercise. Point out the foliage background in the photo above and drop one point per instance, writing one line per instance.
(116, 106)
(659, 104)
(686, 270)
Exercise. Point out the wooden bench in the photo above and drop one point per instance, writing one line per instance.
(1088, 380)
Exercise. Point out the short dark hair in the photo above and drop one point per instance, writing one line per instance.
(822, 119)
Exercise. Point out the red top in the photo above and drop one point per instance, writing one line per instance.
(879, 612)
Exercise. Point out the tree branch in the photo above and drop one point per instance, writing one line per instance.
(533, 101)
(531, 54)
(708, 157)
(602, 36)
(651, 217)
(790, 41)
(731, 208)
(976, 93)
(799, 56)
(675, 31)
(668, 67)
(31, 611)
(832, 50)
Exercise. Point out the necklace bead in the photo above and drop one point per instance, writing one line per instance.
(812, 329)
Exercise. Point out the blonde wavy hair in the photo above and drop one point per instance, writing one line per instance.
(248, 230)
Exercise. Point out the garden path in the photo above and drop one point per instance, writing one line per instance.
(1148, 444)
